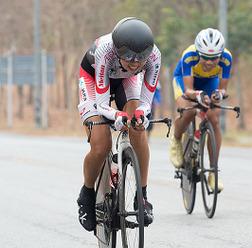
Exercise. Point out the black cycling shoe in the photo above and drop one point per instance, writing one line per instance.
(148, 213)
(86, 202)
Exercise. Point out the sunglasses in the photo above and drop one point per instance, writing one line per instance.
(134, 59)
(207, 58)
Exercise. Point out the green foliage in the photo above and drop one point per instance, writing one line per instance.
(168, 40)
(177, 33)
(240, 28)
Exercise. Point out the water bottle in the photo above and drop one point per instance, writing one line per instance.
(114, 170)
(195, 144)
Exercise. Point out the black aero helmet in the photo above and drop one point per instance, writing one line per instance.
(133, 39)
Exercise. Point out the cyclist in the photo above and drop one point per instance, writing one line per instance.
(114, 65)
(202, 73)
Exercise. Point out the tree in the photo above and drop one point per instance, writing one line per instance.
(239, 43)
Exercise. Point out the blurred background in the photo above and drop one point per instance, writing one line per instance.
(63, 30)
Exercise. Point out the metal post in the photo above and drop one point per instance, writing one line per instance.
(223, 30)
(37, 71)
(10, 84)
(44, 92)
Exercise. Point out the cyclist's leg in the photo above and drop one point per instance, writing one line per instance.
(99, 147)
(132, 89)
(92, 166)
(180, 124)
(139, 142)
(213, 116)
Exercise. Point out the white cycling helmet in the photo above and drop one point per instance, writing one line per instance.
(210, 42)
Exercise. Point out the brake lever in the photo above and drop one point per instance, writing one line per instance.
(180, 110)
(168, 123)
(238, 111)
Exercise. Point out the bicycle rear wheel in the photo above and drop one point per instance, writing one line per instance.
(207, 147)
(188, 182)
(132, 220)
(105, 200)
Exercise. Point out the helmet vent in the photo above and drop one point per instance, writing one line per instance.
(205, 42)
(217, 42)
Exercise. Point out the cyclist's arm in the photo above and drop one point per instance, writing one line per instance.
(192, 94)
(151, 75)
(102, 84)
(188, 84)
(223, 86)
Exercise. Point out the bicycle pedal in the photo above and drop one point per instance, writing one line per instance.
(177, 175)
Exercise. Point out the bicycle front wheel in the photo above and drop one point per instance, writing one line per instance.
(188, 182)
(105, 195)
(209, 165)
(131, 201)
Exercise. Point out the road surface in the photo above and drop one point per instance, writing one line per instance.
(40, 178)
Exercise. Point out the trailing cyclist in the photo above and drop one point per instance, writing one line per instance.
(114, 65)
(202, 74)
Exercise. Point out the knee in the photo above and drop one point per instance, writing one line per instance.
(101, 149)
(215, 121)
(137, 138)
(188, 116)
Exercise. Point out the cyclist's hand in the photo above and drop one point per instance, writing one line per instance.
(122, 121)
(203, 98)
(217, 96)
(141, 121)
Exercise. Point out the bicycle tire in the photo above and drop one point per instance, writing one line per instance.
(188, 183)
(131, 220)
(104, 232)
(209, 196)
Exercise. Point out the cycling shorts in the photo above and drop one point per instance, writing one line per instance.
(206, 84)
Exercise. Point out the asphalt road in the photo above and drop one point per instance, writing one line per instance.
(40, 178)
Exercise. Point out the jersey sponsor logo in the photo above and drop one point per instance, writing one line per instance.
(83, 95)
(155, 76)
(108, 56)
(101, 82)
(209, 76)
(82, 111)
(149, 87)
(101, 76)
(191, 58)
(154, 57)
(225, 61)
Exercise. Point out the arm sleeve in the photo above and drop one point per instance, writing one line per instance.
(102, 84)
(152, 68)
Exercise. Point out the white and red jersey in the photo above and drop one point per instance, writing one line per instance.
(103, 58)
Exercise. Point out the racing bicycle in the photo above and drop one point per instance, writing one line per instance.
(119, 200)
(196, 166)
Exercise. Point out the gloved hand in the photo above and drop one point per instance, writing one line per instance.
(121, 120)
(201, 98)
(140, 119)
(217, 95)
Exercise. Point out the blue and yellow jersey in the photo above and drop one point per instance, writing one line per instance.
(189, 65)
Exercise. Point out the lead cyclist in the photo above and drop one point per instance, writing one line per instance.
(114, 64)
